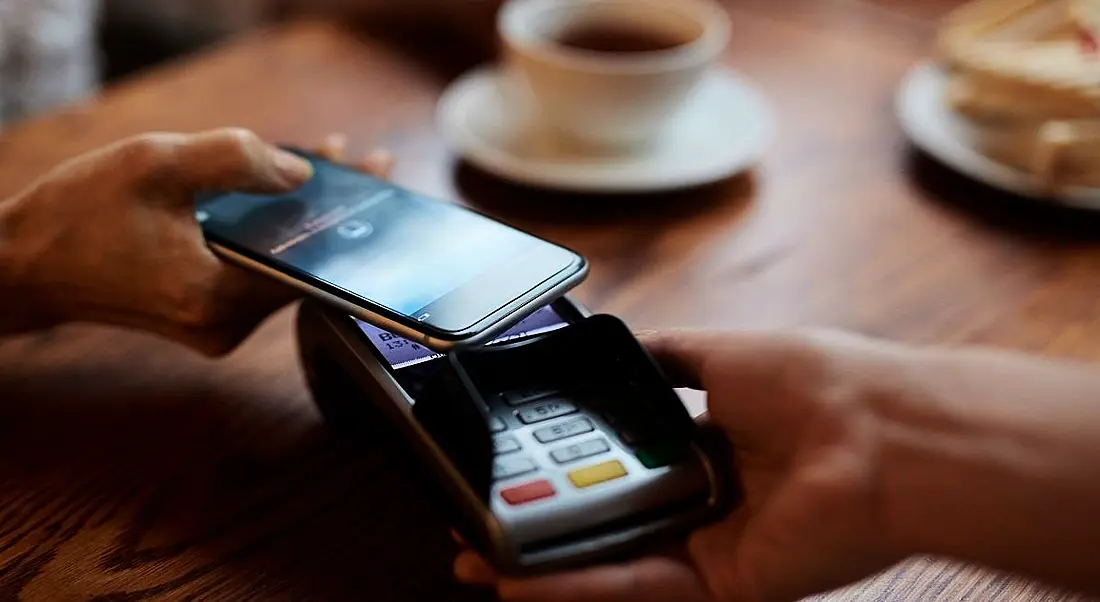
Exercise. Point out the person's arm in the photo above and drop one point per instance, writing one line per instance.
(854, 454)
(995, 458)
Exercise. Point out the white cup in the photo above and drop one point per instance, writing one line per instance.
(611, 101)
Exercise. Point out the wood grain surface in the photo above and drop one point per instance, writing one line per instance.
(132, 470)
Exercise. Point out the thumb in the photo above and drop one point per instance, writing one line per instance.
(680, 353)
(229, 159)
(687, 356)
(691, 357)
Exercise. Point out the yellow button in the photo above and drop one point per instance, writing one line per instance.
(593, 475)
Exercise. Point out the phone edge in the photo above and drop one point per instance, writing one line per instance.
(517, 314)
(322, 295)
(397, 328)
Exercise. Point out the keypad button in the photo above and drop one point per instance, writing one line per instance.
(544, 410)
(497, 425)
(505, 445)
(528, 492)
(521, 396)
(652, 459)
(563, 430)
(506, 468)
(657, 457)
(600, 473)
(578, 451)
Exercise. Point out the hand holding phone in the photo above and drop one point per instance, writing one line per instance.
(430, 271)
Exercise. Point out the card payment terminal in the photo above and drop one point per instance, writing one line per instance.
(559, 444)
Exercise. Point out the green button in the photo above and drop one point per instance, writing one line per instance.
(656, 458)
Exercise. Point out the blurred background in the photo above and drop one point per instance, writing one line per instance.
(53, 52)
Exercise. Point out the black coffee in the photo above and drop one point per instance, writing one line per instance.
(611, 39)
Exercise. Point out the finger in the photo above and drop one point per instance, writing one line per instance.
(251, 294)
(230, 159)
(654, 579)
(240, 302)
(471, 569)
(379, 163)
(781, 551)
(711, 549)
(334, 148)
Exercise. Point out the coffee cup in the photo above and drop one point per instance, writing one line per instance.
(610, 75)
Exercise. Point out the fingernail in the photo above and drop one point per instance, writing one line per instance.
(294, 169)
(336, 139)
(381, 160)
(335, 146)
(380, 154)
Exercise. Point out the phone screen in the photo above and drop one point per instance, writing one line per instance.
(426, 261)
(402, 353)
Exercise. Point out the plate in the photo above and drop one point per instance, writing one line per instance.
(932, 127)
(722, 130)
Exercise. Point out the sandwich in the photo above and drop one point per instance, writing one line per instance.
(1024, 81)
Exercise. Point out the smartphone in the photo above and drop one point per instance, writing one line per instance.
(433, 272)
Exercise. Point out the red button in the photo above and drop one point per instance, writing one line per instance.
(528, 492)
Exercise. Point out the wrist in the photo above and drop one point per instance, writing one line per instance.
(994, 458)
(938, 453)
(918, 451)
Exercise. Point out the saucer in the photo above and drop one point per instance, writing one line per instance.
(932, 127)
(722, 130)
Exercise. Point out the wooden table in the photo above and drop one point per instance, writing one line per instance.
(133, 470)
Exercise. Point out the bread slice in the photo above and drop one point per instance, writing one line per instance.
(1025, 77)
(982, 21)
(1036, 51)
